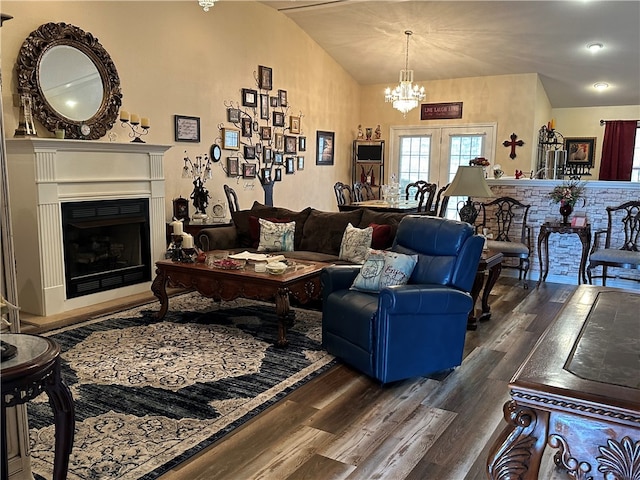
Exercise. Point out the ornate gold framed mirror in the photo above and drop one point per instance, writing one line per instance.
(73, 82)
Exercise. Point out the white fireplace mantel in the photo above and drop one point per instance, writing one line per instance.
(43, 173)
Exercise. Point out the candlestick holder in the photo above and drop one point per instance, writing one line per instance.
(137, 130)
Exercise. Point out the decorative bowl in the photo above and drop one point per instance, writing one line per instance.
(276, 268)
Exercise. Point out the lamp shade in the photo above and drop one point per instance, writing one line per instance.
(469, 182)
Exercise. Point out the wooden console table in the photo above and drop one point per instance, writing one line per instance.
(548, 228)
(492, 262)
(36, 368)
(578, 392)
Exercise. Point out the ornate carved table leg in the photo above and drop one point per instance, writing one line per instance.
(472, 321)
(159, 289)
(494, 273)
(518, 451)
(282, 310)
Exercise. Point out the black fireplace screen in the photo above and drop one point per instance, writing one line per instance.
(106, 245)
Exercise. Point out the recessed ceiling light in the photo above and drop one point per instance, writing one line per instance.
(601, 86)
(595, 47)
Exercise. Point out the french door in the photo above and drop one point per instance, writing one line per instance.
(434, 154)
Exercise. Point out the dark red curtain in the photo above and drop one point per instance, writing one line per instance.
(617, 149)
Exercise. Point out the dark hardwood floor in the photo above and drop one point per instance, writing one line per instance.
(343, 425)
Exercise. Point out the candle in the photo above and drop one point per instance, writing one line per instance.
(124, 116)
(176, 225)
(553, 124)
(135, 119)
(187, 241)
(144, 122)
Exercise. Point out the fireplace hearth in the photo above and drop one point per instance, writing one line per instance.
(106, 245)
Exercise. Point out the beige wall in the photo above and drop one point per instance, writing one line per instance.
(173, 58)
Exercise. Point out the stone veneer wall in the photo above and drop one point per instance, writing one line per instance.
(565, 249)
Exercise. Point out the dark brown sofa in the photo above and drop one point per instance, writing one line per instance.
(317, 237)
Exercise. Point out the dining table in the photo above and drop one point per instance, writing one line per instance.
(402, 206)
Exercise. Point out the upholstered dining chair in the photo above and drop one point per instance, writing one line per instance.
(232, 199)
(362, 192)
(424, 194)
(505, 218)
(343, 192)
(402, 331)
(621, 247)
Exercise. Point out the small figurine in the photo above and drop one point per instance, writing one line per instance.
(369, 133)
(378, 132)
(360, 134)
(518, 174)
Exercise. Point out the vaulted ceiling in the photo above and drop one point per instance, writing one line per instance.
(453, 39)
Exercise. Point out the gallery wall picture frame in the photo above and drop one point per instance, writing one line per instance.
(231, 138)
(294, 124)
(265, 175)
(278, 119)
(324, 147)
(186, 129)
(249, 152)
(258, 149)
(290, 166)
(302, 144)
(233, 115)
(265, 133)
(267, 156)
(278, 158)
(265, 77)
(232, 167)
(290, 144)
(264, 106)
(273, 101)
(181, 208)
(300, 163)
(580, 150)
(279, 141)
(248, 170)
(249, 97)
(246, 127)
(278, 175)
(282, 98)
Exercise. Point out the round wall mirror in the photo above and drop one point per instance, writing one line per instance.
(71, 79)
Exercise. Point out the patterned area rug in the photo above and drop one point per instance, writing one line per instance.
(149, 394)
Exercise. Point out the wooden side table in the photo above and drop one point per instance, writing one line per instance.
(36, 368)
(492, 262)
(547, 228)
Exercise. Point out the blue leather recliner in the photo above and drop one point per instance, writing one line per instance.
(406, 330)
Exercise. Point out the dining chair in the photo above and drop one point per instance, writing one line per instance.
(343, 192)
(232, 199)
(424, 194)
(362, 192)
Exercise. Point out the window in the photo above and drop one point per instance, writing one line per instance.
(415, 156)
(635, 169)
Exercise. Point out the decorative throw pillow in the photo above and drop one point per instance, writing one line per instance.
(276, 237)
(382, 236)
(254, 228)
(356, 243)
(382, 269)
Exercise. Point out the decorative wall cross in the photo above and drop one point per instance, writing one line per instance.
(513, 144)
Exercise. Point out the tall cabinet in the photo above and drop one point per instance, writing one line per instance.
(368, 164)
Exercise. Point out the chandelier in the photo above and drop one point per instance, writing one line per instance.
(405, 96)
(206, 4)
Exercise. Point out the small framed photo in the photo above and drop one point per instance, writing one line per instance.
(187, 129)
(273, 101)
(282, 98)
(231, 139)
(302, 144)
(580, 151)
(232, 166)
(265, 133)
(258, 149)
(294, 124)
(267, 154)
(300, 163)
(279, 141)
(249, 97)
(265, 175)
(246, 127)
(278, 175)
(278, 158)
(290, 166)
(278, 119)
(248, 170)
(249, 152)
(290, 144)
(265, 77)
(233, 115)
(579, 221)
(324, 147)
(264, 106)
(181, 208)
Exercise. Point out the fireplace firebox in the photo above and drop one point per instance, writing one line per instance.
(106, 245)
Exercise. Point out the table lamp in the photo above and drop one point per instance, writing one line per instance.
(469, 182)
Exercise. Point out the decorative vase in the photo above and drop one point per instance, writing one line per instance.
(565, 210)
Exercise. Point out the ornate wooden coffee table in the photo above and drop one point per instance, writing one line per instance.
(301, 281)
